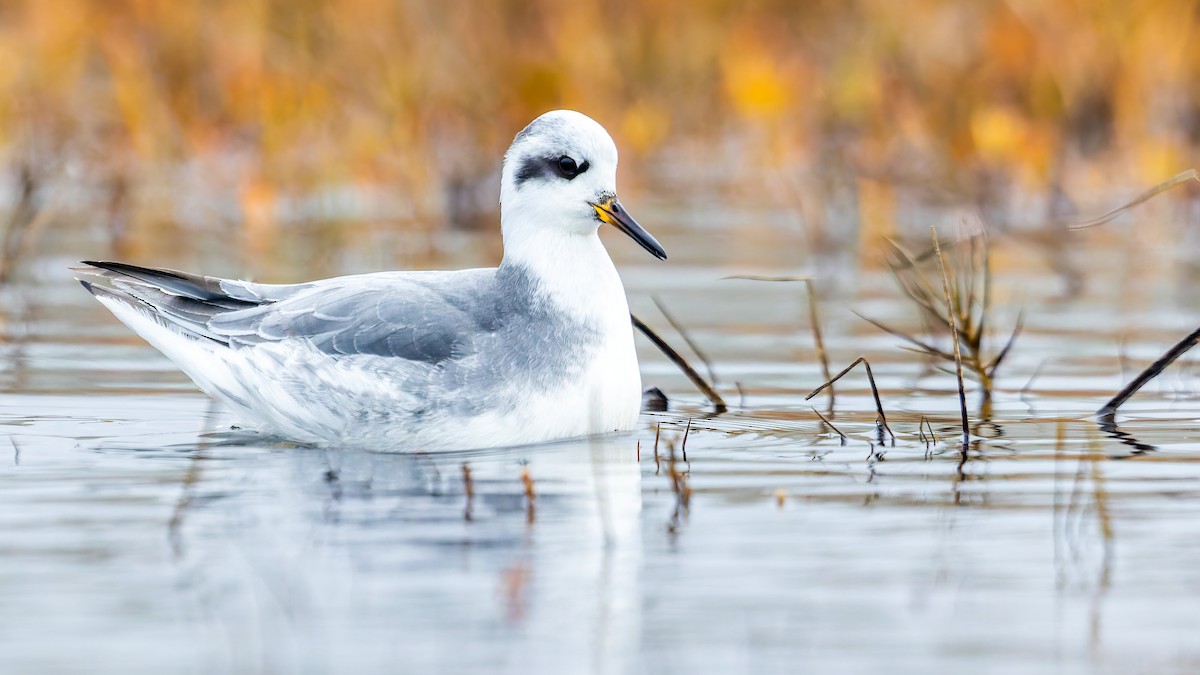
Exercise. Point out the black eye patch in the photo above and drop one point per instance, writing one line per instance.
(548, 167)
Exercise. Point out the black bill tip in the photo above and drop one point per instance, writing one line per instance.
(610, 211)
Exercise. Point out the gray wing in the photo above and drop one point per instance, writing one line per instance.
(425, 318)
(418, 316)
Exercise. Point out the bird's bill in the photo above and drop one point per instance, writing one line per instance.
(610, 211)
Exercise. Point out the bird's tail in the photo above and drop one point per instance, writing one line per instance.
(178, 301)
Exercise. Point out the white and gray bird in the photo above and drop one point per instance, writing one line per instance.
(537, 349)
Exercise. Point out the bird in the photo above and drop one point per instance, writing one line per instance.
(537, 349)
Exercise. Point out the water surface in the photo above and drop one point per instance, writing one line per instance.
(140, 534)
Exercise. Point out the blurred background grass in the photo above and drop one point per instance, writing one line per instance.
(157, 118)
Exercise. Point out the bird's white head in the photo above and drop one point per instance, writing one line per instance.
(560, 181)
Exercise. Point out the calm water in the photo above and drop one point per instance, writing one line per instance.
(139, 534)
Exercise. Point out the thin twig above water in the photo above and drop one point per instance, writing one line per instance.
(712, 375)
(874, 390)
(813, 318)
(1180, 348)
(830, 425)
(718, 403)
(950, 312)
(1178, 179)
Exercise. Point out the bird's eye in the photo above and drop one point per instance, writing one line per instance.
(568, 167)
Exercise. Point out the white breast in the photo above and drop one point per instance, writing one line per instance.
(614, 382)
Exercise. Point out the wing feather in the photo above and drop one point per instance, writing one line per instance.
(422, 317)
(362, 316)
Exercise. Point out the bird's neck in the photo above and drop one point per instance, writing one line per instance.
(570, 268)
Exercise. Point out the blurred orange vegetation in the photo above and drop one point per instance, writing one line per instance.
(414, 95)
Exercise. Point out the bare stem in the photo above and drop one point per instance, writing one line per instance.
(1189, 175)
(712, 375)
(1150, 373)
(830, 425)
(874, 390)
(813, 318)
(958, 371)
(713, 397)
